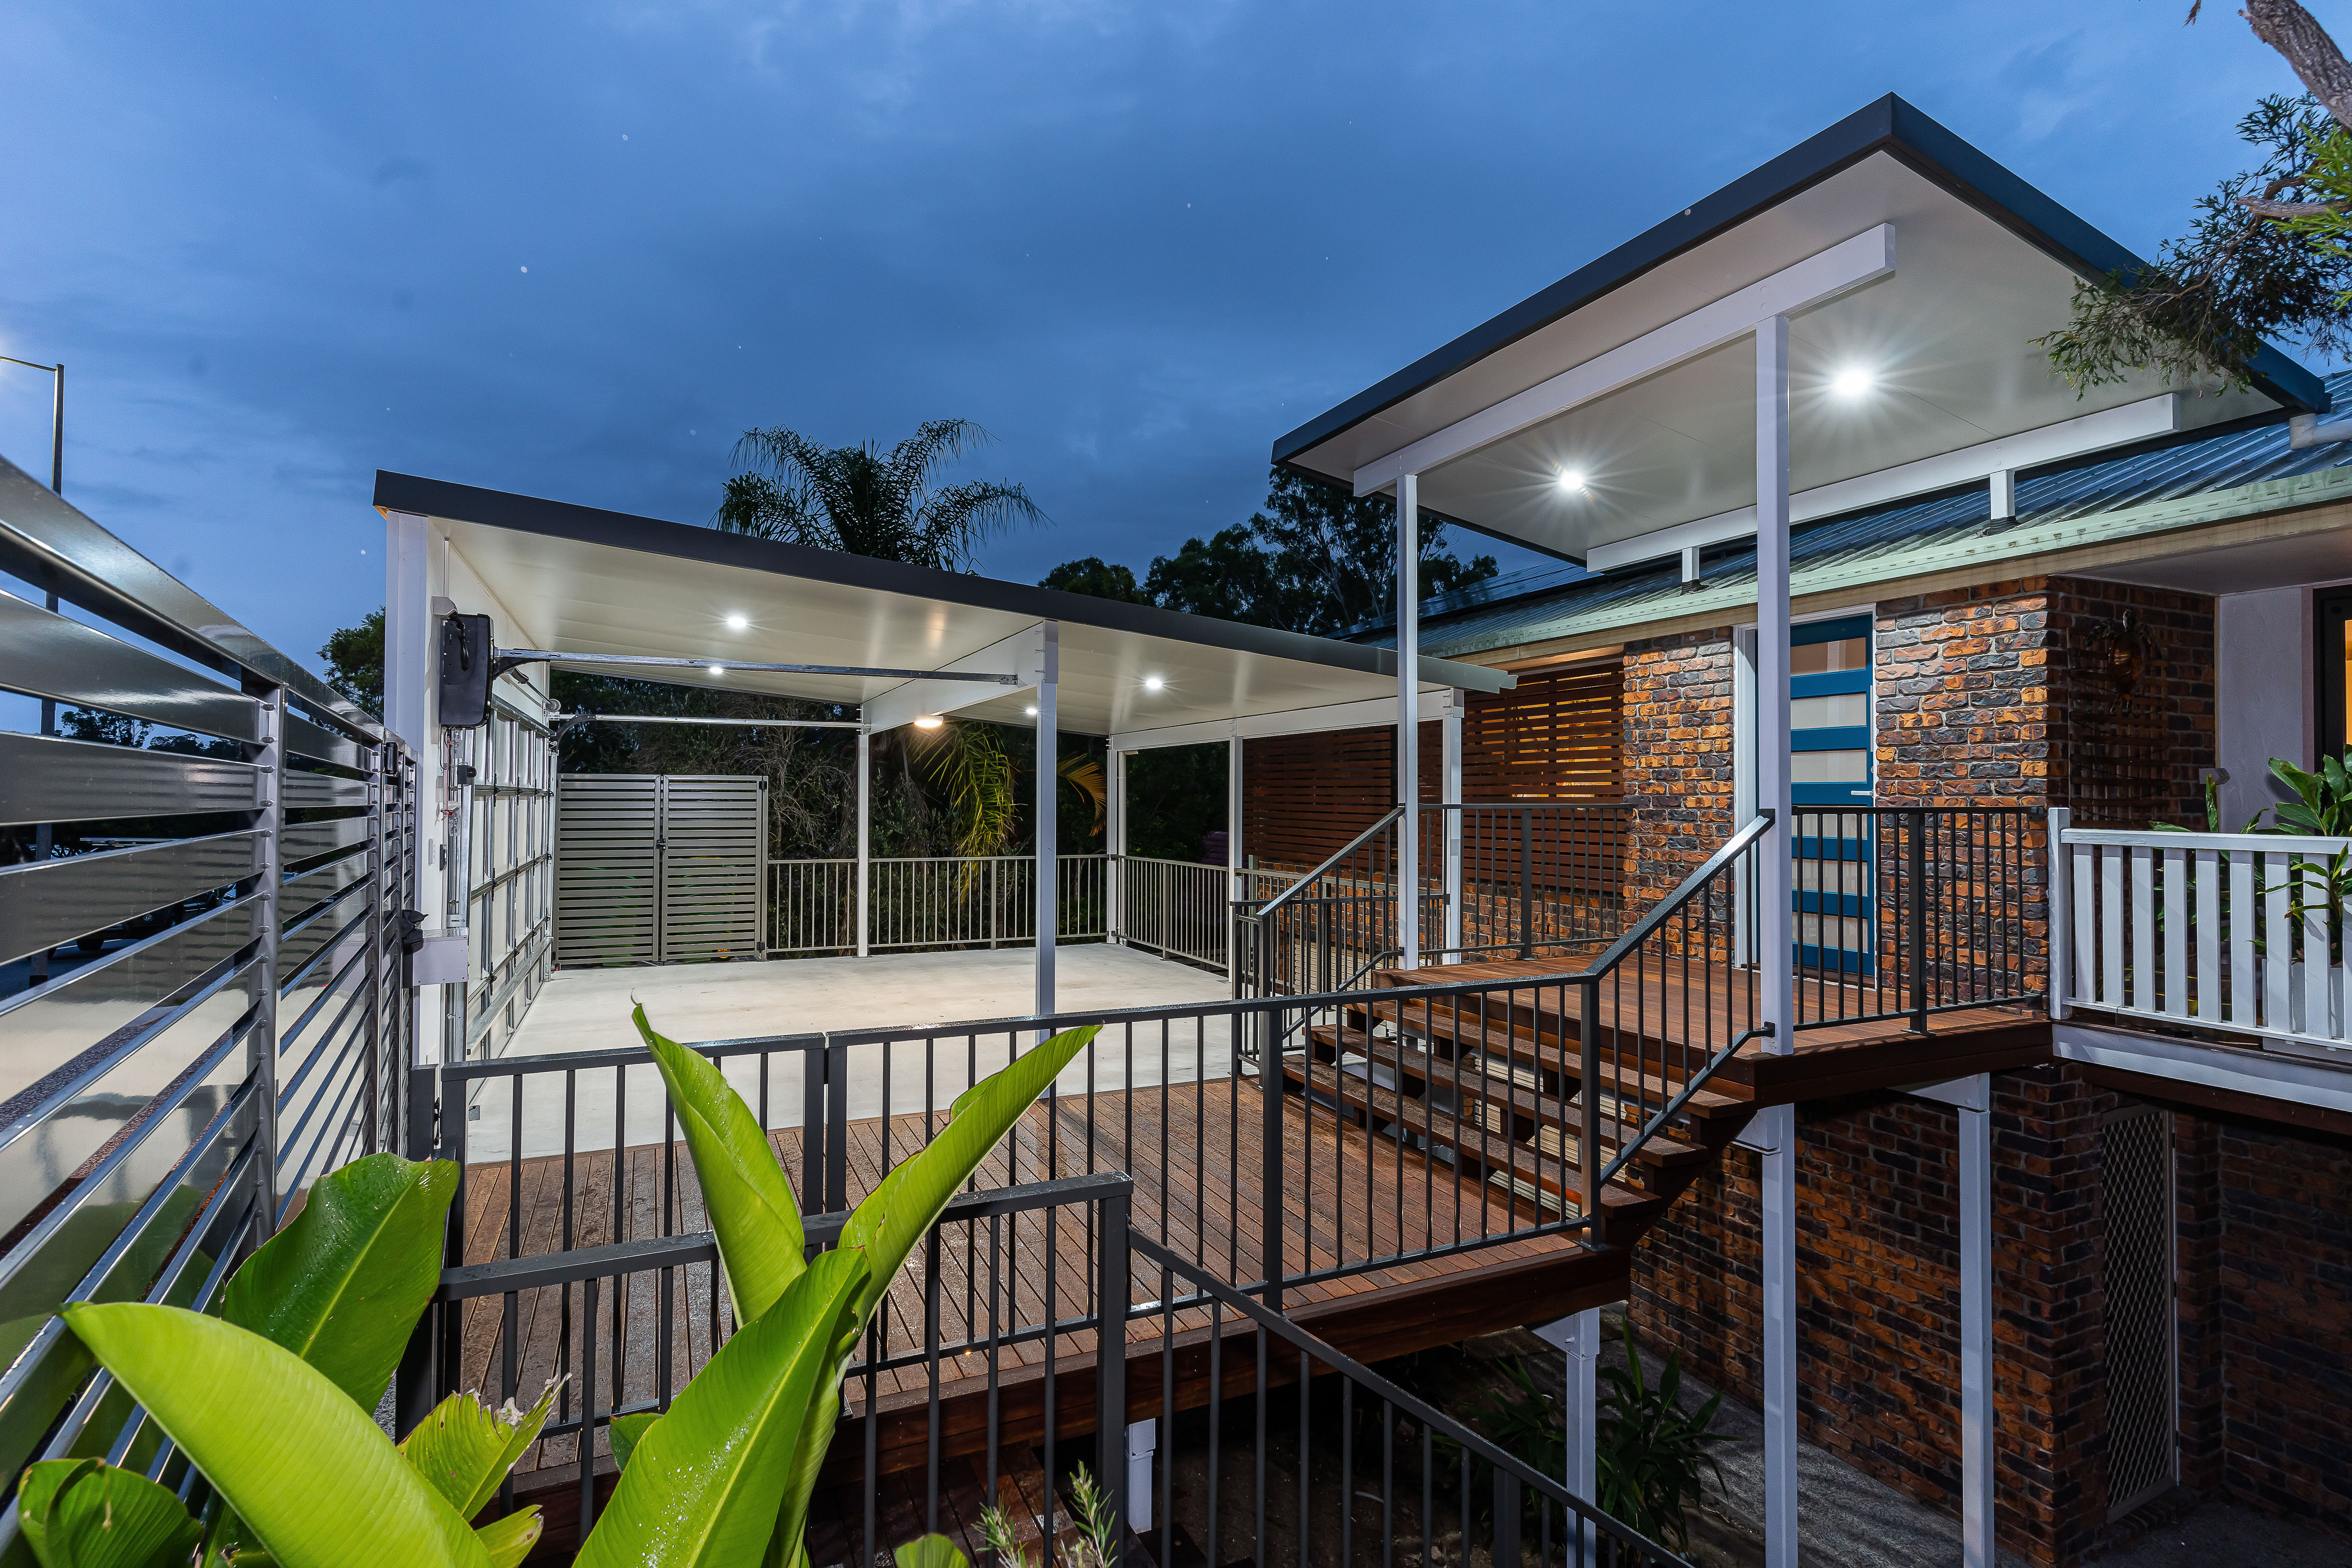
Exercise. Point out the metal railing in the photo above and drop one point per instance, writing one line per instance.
(1909, 912)
(227, 851)
(1177, 909)
(1512, 880)
(944, 901)
(2242, 932)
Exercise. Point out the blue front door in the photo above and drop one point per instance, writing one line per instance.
(1829, 788)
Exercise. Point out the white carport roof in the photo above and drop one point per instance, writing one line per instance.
(1894, 248)
(579, 579)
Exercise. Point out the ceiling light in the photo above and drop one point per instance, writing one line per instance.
(1152, 683)
(1851, 382)
(1571, 479)
(928, 722)
(737, 623)
(718, 670)
(1031, 711)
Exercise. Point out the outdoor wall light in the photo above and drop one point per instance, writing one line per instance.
(1573, 480)
(1152, 683)
(1851, 382)
(738, 623)
(928, 722)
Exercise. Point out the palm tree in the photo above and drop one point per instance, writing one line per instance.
(863, 501)
(866, 502)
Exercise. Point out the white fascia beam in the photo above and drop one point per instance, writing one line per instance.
(2271, 1074)
(1372, 711)
(2150, 416)
(1022, 654)
(1818, 279)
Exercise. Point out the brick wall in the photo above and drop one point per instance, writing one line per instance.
(2130, 757)
(1677, 759)
(2264, 1244)
(1878, 1279)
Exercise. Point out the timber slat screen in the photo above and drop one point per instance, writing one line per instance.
(203, 988)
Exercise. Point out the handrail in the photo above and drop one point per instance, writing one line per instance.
(1733, 847)
(1353, 845)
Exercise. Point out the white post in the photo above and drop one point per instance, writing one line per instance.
(1142, 1441)
(2005, 494)
(1233, 819)
(1049, 782)
(864, 835)
(409, 655)
(1450, 792)
(1115, 846)
(1976, 1326)
(1743, 781)
(1774, 954)
(2058, 885)
(1408, 729)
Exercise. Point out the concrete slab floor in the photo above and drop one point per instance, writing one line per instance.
(907, 994)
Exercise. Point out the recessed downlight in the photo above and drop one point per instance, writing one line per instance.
(928, 722)
(1853, 382)
(1152, 683)
(738, 623)
(1573, 480)
(717, 669)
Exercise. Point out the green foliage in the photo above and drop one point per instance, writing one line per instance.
(1097, 580)
(1317, 559)
(2200, 311)
(342, 1285)
(310, 1473)
(1651, 1454)
(868, 503)
(273, 1403)
(627, 1432)
(1175, 799)
(1096, 1546)
(354, 657)
(463, 1448)
(82, 1514)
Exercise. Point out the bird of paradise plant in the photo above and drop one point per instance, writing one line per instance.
(271, 1401)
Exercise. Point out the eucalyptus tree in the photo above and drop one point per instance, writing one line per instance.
(2265, 256)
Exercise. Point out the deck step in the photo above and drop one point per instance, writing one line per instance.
(1720, 1100)
(1663, 1151)
(1553, 1172)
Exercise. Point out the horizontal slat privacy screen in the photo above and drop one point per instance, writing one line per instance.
(223, 1016)
(1558, 736)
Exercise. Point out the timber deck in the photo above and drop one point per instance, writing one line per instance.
(1351, 1196)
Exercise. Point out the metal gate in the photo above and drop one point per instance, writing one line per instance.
(654, 868)
(2135, 1153)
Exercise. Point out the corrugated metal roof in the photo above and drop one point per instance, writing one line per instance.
(1532, 611)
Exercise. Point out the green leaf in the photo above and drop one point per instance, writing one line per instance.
(342, 1286)
(509, 1540)
(704, 1484)
(907, 1203)
(83, 1513)
(316, 1483)
(627, 1432)
(463, 1448)
(753, 1210)
(930, 1552)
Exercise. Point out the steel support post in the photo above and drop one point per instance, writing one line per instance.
(1049, 783)
(865, 837)
(1450, 792)
(1408, 729)
(1775, 954)
(1583, 1410)
(1110, 1330)
(1976, 1328)
(1115, 847)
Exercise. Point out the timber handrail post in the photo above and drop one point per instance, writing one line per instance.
(1918, 936)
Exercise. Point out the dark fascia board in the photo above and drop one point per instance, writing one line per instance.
(684, 542)
(1889, 125)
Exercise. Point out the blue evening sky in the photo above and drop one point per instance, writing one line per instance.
(575, 250)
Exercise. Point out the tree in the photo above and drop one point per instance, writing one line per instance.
(863, 501)
(2266, 255)
(1316, 560)
(354, 657)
